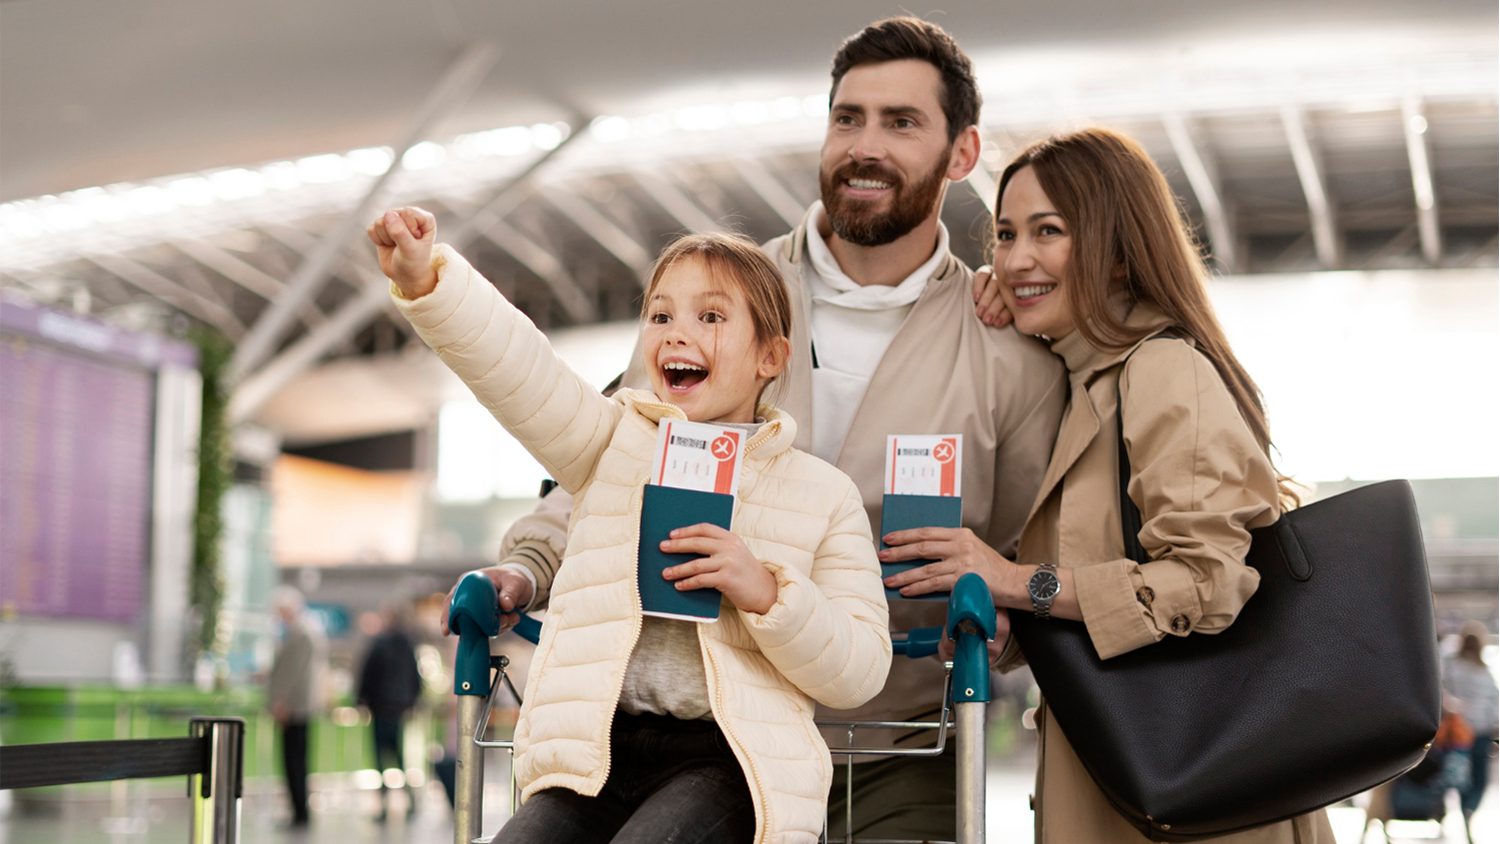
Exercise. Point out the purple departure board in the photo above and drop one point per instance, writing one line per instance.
(76, 431)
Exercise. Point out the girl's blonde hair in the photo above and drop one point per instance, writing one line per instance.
(733, 261)
(1128, 227)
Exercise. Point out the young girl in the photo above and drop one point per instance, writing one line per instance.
(1093, 257)
(645, 729)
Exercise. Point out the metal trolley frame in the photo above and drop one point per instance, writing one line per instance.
(479, 675)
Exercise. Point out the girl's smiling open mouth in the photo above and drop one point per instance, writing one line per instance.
(682, 376)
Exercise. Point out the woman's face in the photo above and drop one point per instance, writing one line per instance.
(1033, 247)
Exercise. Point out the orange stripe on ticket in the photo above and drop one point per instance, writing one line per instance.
(724, 448)
(949, 477)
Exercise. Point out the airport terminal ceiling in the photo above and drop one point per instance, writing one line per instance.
(162, 160)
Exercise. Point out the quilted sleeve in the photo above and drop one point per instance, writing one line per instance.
(511, 368)
(827, 631)
(536, 542)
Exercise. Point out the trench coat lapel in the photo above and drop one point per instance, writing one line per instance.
(1079, 427)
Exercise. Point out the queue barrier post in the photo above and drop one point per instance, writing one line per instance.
(212, 757)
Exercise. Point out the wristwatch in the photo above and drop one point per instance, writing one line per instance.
(1043, 587)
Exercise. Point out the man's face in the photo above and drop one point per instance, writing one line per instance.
(886, 155)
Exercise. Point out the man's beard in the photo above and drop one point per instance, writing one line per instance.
(857, 222)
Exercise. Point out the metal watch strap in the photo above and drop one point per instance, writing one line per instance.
(1043, 609)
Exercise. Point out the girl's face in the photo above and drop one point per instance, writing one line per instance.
(700, 346)
(1033, 248)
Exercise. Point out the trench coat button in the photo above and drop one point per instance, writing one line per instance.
(1180, 625)
(1145, 595)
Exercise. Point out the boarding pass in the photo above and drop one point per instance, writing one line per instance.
(696, 455)
(924, 464)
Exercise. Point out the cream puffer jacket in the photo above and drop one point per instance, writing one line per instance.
(825, 640)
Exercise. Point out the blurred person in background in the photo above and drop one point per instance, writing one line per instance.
(1094, 255)
(1471, 690)
(294, 690)
(389, 686)
(885, 340)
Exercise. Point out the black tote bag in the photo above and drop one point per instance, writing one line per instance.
(1326, 684)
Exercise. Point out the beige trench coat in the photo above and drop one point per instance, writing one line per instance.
(1201, 482)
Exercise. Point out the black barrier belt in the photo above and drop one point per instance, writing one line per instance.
(33, 765)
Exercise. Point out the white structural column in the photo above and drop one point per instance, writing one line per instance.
(1310, 172)
(174, 500)
(1203, 176)
(1414, 125)
(463, 76)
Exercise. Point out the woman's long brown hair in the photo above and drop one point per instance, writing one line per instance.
(1128, 228)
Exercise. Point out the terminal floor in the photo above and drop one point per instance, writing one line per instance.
(347, 814)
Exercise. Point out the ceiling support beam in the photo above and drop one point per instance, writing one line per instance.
(576, 301)
(462, 77)
(592, 222)
(1398, 245)
(356, 268)
(343, 323)
(1482, 252)
(1203, 176)
(355, 313)
(153, 283)
(244, 274)
(685, 211)
(1414, 126)
(770, 190)
(1311, 172)
(509, 195)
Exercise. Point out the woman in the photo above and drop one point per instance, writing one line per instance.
(1093, 256)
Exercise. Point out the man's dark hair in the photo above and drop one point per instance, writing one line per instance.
(894, 39)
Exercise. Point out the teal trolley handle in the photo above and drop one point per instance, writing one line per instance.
(474, 614)
(971, 625)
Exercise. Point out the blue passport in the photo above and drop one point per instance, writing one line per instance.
(904, 512)
(663, 510)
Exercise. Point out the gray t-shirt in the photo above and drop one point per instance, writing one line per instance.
(665, 675)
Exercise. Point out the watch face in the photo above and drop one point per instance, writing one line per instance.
(1044, 585)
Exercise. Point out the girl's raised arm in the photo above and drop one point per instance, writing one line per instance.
(508, 364)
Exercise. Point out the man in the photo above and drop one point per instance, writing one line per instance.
(293, 691)
(886, 340)
(389, 686)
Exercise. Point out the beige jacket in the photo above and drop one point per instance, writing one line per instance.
(1201, 482)
(944, 372)
(824, 640)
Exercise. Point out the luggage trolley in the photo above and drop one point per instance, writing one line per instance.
(478, 677)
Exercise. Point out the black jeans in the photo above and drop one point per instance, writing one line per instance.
(294, 764)
(669, 780)
(387, 734)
